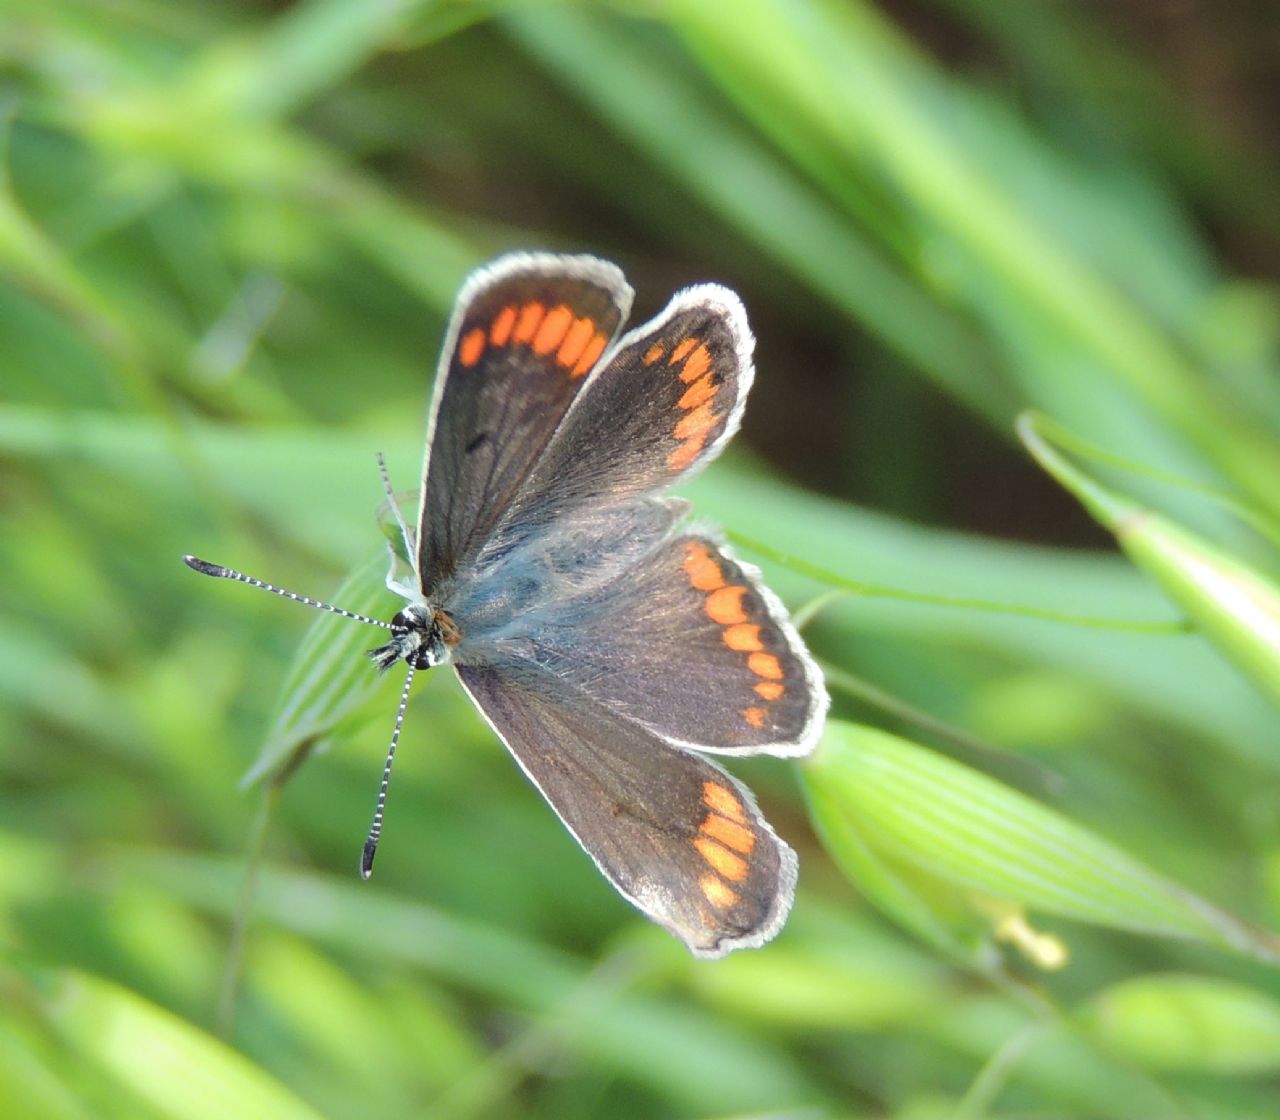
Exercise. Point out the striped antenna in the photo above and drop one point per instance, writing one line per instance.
(406, 536)
(219, 572)
(375, 829)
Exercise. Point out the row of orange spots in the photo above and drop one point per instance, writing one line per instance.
(576, 342)
(692, 429)
(724, 841)
(695, 426)
(723, 605)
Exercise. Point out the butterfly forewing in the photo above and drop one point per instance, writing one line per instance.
(526, 333)
(678, 837)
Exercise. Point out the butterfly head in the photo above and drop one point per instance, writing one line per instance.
(421, 635)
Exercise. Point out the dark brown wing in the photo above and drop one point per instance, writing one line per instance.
(527, 331)
(680, 839)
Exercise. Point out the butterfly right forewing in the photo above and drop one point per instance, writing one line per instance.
(677, 836)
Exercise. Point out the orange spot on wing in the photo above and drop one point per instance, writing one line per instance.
(730, 833)
(527, 324)
(652, 354)
(471, 347)
(768, 690)
(721, 799)
(720, 896)
(698, 393)
(552, 330)
(685, 454)
(575, 342)
(732, 867)
(678, 354)
(500, 333)
(696, 424)
(754, 716)
(699, 363)
(745, 637)
(590, 355)
(701, 568)
(725, 605)
(765, 665)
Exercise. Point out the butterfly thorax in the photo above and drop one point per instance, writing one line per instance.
(421, 635)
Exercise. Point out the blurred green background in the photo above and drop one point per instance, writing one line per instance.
(230, 235)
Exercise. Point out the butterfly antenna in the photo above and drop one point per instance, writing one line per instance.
(219, 572)
(375, 829)
(395, 505)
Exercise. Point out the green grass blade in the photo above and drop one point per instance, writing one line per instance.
(937, 816)
(700, 1062)
(1188, 1023)
(330, 677)
(860, 87)
(187, 1075)
(862, 545)
(1233, 604)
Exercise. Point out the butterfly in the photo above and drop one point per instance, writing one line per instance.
(608, 644)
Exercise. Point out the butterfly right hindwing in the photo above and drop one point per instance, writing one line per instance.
(684, 640)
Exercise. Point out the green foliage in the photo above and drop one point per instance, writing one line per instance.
(1235, 606)
(1038, 873)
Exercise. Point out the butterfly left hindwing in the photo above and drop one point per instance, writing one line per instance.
(660, 405)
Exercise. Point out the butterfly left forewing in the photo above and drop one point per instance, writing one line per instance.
(526, 332)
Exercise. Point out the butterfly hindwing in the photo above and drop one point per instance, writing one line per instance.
(660, 405)
(688, 642)
(525, 334)
(679, 838)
